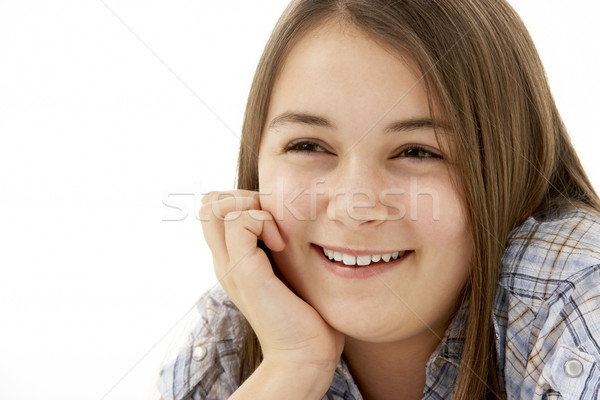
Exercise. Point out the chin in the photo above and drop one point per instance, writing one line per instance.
(357, 320)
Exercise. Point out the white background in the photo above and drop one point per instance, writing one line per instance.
(106, 108)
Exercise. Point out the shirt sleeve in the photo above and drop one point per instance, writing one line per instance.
(206, 365)
(564, 357)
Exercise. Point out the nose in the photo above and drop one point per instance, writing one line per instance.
(355, 198)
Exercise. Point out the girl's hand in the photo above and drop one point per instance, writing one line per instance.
(292, 334)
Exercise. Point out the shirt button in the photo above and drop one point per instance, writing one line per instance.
(199, 353)
(573, 368)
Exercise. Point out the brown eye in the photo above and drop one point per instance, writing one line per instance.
(305, 146)
(418, 153)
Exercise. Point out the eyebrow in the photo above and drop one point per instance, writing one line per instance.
(409, 124)
(299, 118)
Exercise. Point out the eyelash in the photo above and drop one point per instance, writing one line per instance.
(296, 147)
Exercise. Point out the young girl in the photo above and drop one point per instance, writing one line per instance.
(411, 220)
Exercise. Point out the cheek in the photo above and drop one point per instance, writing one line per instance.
(437, 208)
(443, 228)
(289, 198)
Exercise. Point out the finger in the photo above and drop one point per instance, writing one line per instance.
(219, 208)
(270, 235)
(249, 273)
(212, 215)
(220, 195)
(242, 229)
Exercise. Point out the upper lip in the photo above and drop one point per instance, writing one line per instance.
(357, 253)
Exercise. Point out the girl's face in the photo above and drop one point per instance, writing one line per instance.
(349, 163)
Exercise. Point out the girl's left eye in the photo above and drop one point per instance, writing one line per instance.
(305, 146)
(418, 153)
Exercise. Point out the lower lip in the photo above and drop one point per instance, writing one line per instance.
(356, 271)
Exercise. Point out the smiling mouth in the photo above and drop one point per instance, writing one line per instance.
(362, 260)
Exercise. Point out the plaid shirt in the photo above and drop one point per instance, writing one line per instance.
(546, 320)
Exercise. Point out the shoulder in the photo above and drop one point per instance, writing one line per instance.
(207, 362)
(543, 254)
(548, 307)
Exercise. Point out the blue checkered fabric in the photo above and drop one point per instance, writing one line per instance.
(546, 319)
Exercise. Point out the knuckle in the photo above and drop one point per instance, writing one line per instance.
(208, 197)
(206, 212)
(259, 215)
(233, 216)
(225, 195)
(202, 212)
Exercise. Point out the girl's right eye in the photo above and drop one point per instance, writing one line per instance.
(305, 146)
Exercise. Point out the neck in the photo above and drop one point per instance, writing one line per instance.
(390, 370)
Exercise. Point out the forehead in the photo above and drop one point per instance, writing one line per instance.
(354, 82)
(341, 72)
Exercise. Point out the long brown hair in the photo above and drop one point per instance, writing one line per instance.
(513, 152)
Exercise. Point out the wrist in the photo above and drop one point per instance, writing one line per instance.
(275, 380)
(317, 377)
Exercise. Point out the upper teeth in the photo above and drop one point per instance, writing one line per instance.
(348, 259)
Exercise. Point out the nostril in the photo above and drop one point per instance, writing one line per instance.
(357, 208)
